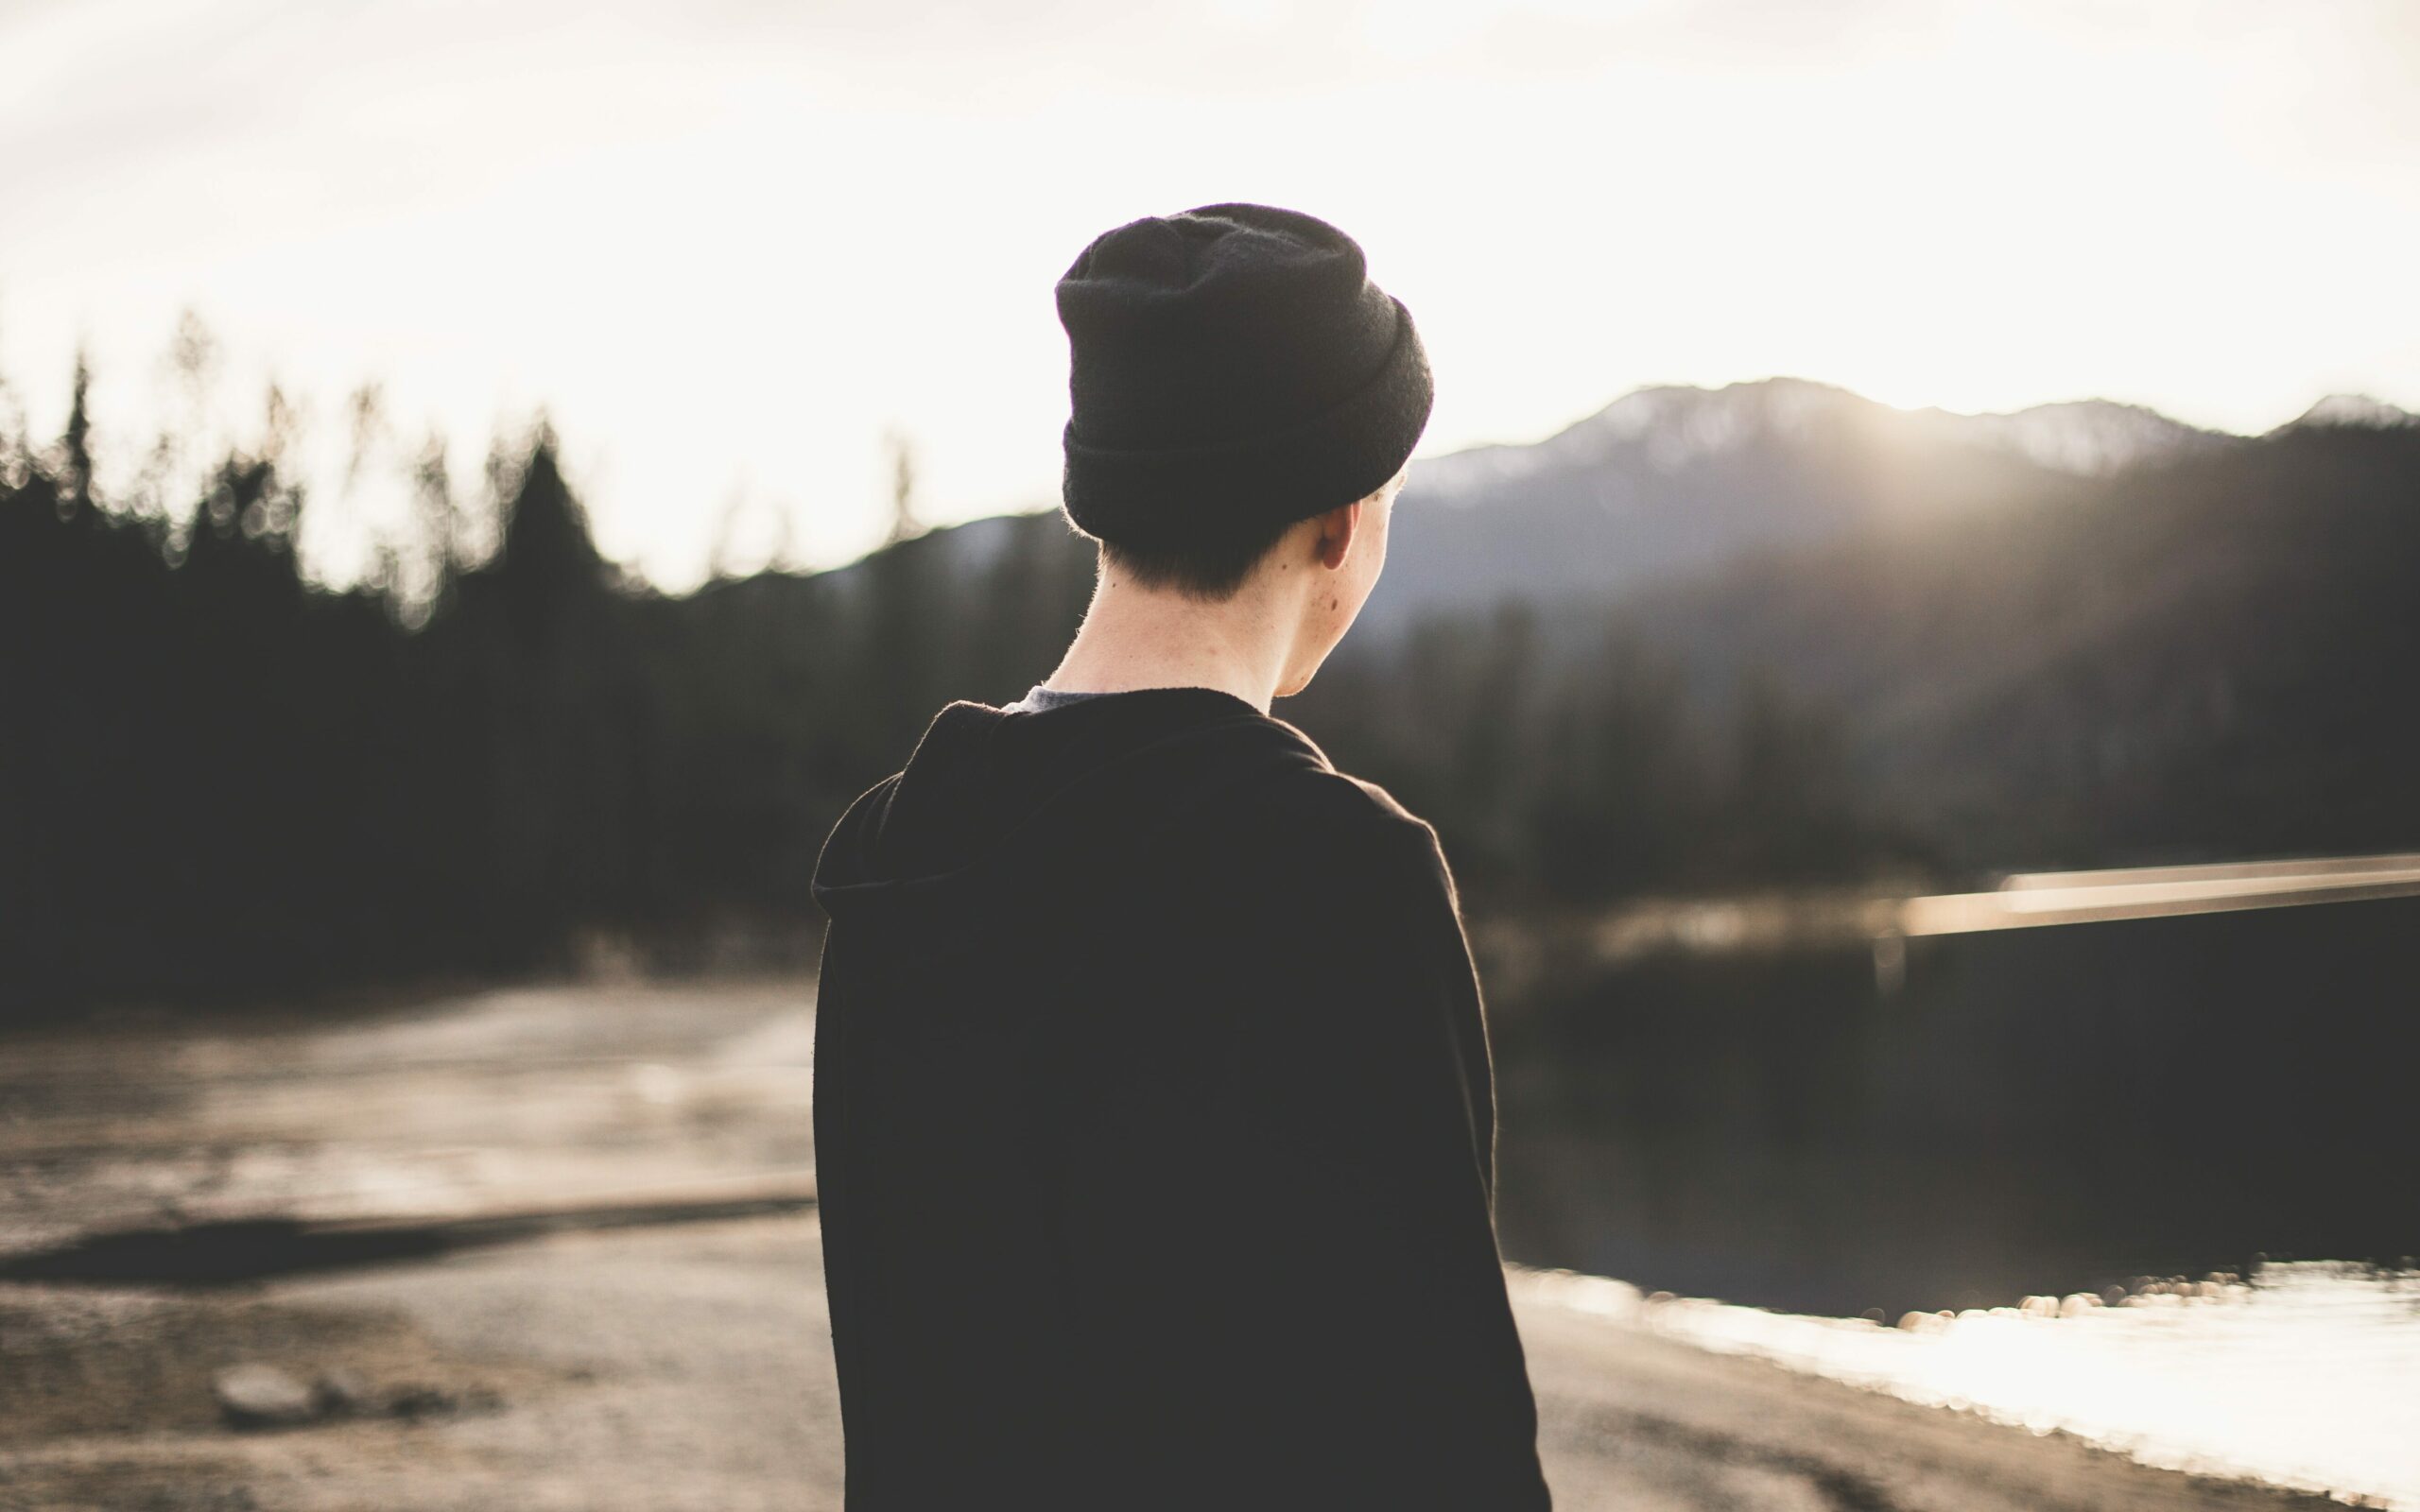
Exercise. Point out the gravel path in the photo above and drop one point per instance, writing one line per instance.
(688, 1368)
(657, 1369)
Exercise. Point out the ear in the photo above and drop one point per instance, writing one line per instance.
(1336, 529)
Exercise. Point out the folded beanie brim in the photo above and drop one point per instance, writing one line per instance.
(1161, 495)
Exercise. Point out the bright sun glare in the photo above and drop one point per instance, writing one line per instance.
(728, 254)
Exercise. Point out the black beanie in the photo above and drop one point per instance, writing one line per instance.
(1232, 361)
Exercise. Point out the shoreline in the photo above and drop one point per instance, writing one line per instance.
(516, 1329)
(689, 1366)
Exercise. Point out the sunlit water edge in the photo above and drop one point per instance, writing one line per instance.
(2305, 1375)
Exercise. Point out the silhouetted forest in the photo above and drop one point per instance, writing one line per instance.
(2212, 658)
(217, 778)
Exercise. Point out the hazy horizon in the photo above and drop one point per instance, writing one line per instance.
(728, 247)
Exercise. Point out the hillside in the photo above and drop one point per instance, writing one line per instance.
(2212, 655)
(1670, 480)
(2078, 633)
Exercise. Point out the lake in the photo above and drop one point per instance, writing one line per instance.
(2092, 1111)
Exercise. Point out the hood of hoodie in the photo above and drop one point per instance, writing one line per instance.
(1001, 820)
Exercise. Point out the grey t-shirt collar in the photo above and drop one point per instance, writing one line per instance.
(1038, 698)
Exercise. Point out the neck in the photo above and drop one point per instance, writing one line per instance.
(1136, 637)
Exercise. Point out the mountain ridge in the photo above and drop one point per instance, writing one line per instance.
(1676, 422)
(1674, 479)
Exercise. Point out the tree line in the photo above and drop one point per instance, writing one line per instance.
(503, 754)
(219, 778)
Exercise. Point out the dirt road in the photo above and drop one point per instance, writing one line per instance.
(672, 1366)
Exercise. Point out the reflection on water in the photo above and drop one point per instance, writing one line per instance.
(2306, 1374)
(2064, 1110)
(2048, 1109)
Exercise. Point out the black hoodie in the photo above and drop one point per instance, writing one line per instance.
(1154, 1129)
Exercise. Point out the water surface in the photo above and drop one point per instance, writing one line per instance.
(2303, 1374)
(2071, 1111)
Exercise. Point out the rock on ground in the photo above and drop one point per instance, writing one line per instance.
(261, 1395)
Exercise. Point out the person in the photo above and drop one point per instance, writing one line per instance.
(1152, 1105)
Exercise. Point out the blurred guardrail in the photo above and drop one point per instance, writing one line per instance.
(1521, 952)
(2034, 899)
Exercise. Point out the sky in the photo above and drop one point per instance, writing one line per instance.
(728, 248)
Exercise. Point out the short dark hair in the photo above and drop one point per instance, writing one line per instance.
(1207, 564)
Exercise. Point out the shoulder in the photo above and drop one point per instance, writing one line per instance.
(1411, 837)
(1315, 825)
